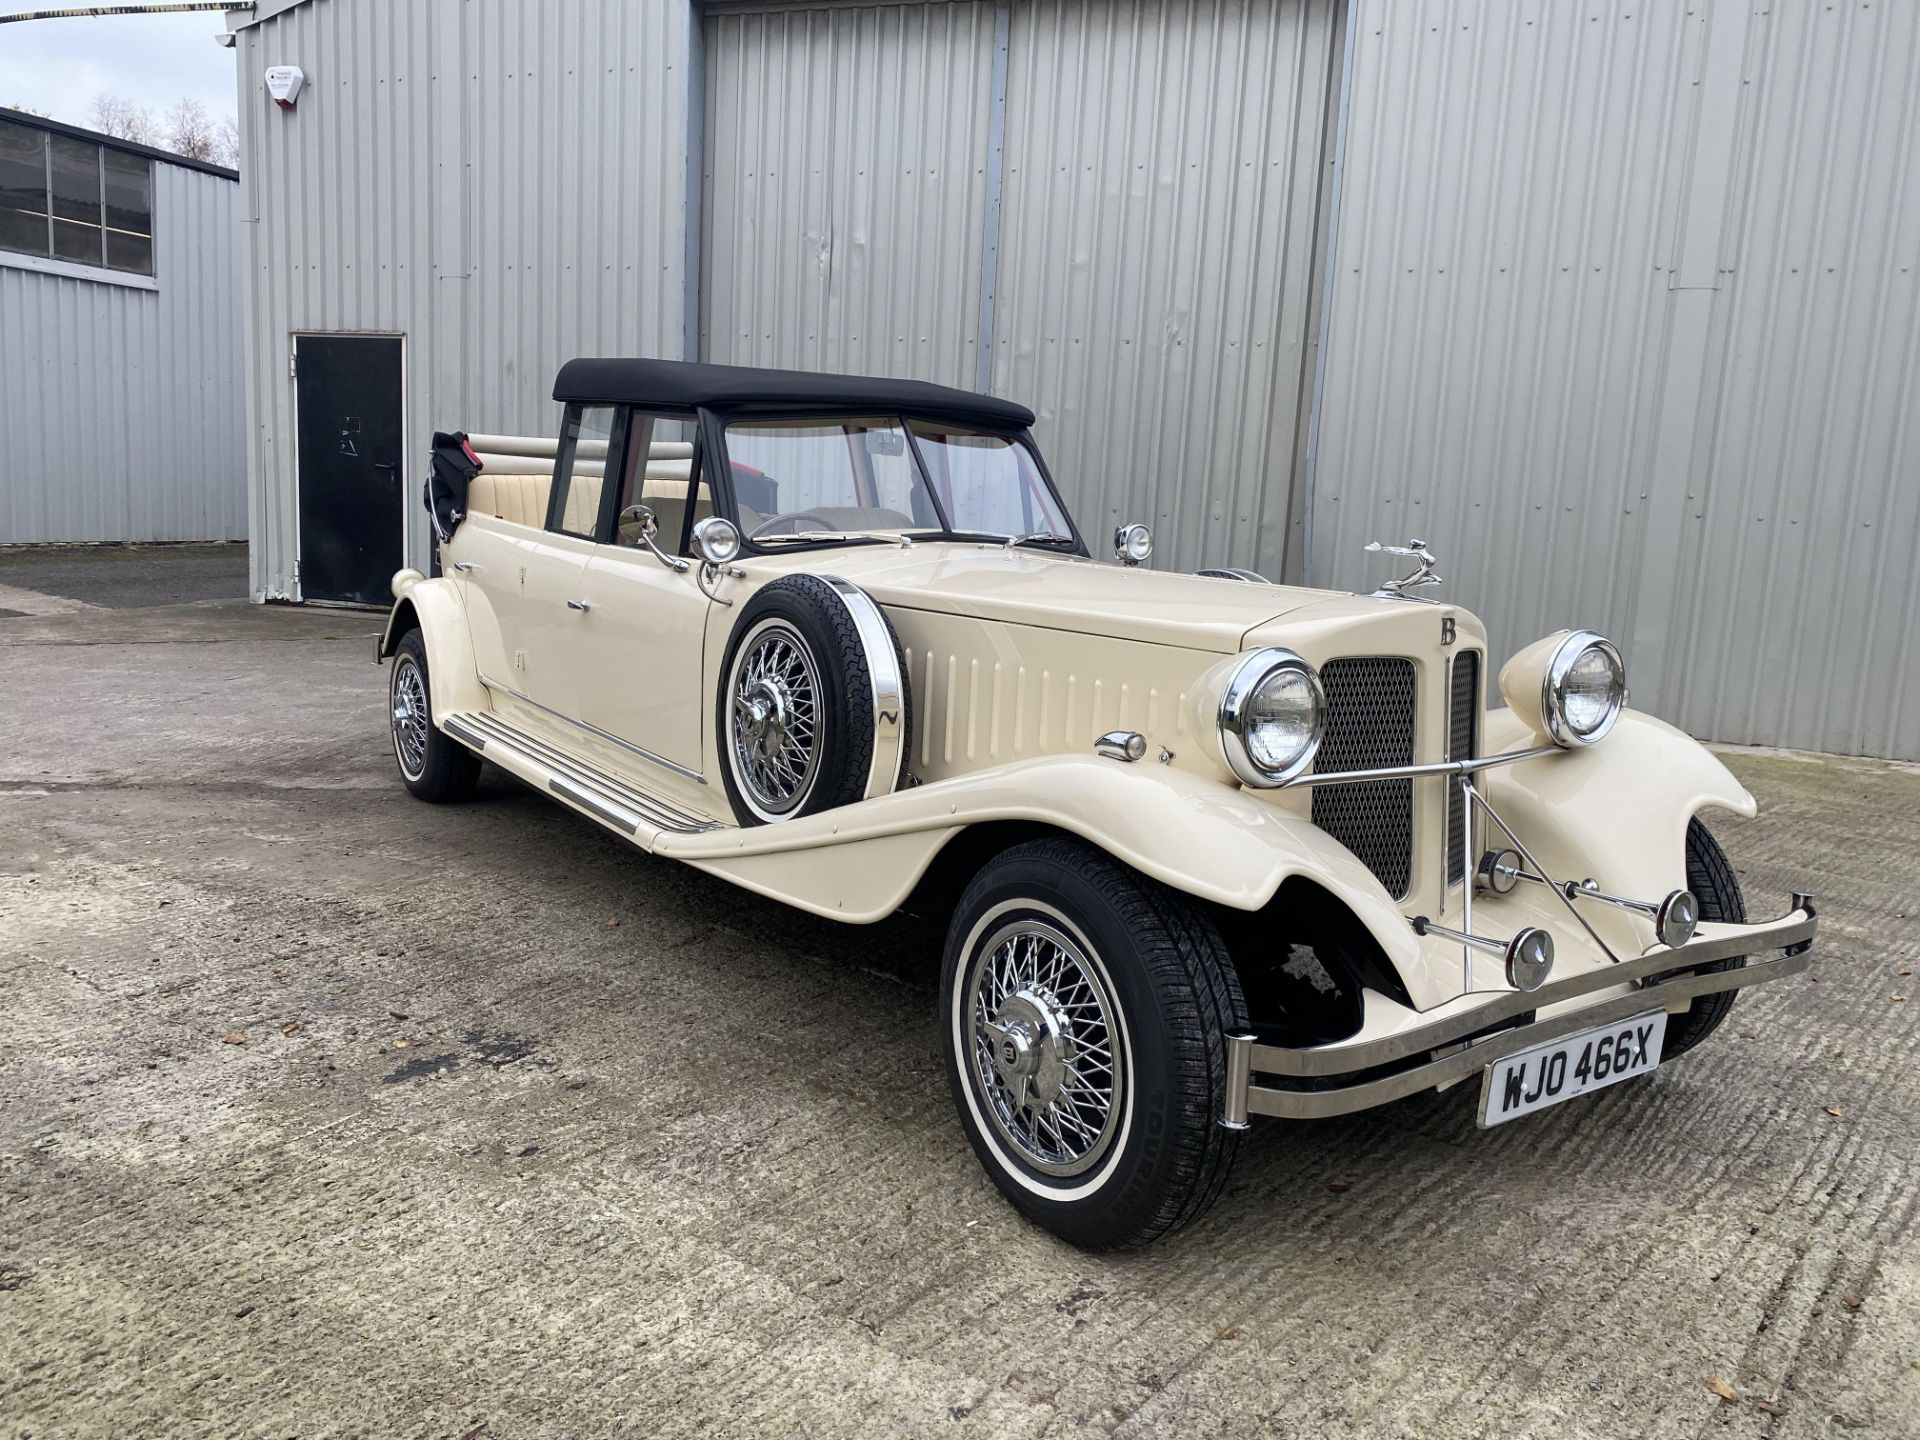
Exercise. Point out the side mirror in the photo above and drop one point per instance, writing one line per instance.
(638, 525)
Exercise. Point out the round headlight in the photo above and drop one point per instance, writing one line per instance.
(1272, 714)
(1585, 689)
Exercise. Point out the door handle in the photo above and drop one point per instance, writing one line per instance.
(465, 566)
(581, 605)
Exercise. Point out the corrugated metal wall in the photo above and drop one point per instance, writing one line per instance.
(120, 407)
(1156, 259)
(504, 184)
(1150, 267)
(1797, 606)
(845, 184)
(1624, 323)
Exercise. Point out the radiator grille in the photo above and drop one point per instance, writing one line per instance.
(1370, 710)
(1463, 727)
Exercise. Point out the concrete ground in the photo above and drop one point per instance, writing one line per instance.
(327, 1112)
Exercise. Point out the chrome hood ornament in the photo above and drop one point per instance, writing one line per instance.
(1422, 575)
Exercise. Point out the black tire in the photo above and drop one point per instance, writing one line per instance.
(834, 731)
(1710, 877)
(1165, 1156)
(440, 769)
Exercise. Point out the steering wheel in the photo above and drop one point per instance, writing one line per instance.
(821, 523)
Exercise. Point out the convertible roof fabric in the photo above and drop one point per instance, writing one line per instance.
(683, 385)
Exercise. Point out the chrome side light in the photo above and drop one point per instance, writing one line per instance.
(1529, 959)
(1132, 544)
(718, 539)
(1272, 716)
(1677, 918)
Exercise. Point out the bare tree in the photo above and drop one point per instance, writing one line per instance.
(186, 129)
(123, 120)
(29, 110)
(190, 131)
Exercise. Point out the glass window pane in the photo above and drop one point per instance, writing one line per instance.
(580, 488)
(76, 242)
(659, 466)
(23, 188)
(130, 252)
(129, 193)
(798, 475)
(988, 482)
(76, 179)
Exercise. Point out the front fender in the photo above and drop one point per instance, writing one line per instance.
(1200, 836)
(1615, 812)
(435, 607)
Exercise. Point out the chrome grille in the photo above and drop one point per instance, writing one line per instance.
(1463, 732)
(1370, 711)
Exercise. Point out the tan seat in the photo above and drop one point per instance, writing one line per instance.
(663, 489)
(520, 499)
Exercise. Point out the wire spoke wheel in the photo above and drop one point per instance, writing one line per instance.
(408, 697)
(773, 722)
(1040, 1043)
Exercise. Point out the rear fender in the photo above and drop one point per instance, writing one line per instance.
(1200, 836)
(435, 608)
(1615, 812)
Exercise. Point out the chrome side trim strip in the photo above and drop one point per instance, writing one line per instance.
(457, 727)
(613, 814)
(656, 812)
(888, 685)
(595, 730)
(1414, 772)
(1794, 929)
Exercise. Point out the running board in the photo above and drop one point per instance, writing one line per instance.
(611, 801)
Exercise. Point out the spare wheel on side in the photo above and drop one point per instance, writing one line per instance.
(814, 710)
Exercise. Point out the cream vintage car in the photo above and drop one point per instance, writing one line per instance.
(1205, 847)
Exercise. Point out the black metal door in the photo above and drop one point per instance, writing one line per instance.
(348, 391)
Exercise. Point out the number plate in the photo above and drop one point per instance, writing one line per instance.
(1591, 1060)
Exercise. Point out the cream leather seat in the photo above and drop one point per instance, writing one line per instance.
(520, 499)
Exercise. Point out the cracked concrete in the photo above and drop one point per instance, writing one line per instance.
(326, 1112)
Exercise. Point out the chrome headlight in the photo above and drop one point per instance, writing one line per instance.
(1272, 714)
(1585, 689)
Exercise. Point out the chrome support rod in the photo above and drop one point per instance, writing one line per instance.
(1233, 1115)
(1579, 890)
(1469, 942)
(1415, 772)
(1474, 797)
(1465, 782)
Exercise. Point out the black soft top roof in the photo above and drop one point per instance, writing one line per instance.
(684, 385)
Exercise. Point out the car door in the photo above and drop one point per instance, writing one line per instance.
(526, 566)
(648, 614)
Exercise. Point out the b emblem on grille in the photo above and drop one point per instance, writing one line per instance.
(1448, 631)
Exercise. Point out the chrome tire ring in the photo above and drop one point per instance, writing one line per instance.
(1041, 1046)
(774, 705)
(410, 716)
(1054, 1179)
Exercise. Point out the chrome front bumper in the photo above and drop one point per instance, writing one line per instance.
(1350, 1075)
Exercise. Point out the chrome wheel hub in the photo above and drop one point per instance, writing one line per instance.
(1040, 1022)
(409, 704)
(775, 718)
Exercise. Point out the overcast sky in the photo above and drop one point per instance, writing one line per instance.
(58, 66)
